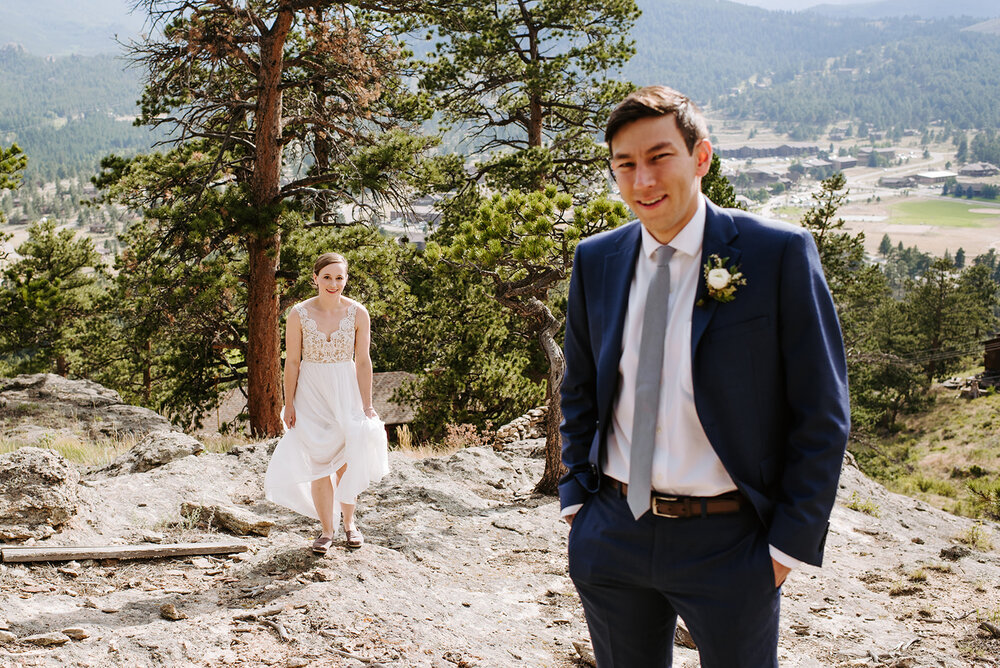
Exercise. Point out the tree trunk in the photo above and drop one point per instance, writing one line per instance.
(147, 372)
(549, 482)
(264, 344)
(535, 120)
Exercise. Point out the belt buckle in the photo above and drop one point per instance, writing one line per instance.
(665, 499)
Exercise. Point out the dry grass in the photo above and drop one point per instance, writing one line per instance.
(76, 448)
(222, 443)
(940, 568)
(455, 438)
(943, 450)
(81, 450)
(977, 537)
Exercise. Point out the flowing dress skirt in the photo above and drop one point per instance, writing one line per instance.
(330, 430)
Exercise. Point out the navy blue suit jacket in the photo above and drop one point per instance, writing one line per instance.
(770, 378)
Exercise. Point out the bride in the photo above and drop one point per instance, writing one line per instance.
(332, 427)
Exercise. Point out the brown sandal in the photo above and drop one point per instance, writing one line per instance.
(354, 538)
(321, 545)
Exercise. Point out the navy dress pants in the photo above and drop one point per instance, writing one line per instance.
(636, 576)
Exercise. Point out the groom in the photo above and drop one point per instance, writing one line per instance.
(705, 406)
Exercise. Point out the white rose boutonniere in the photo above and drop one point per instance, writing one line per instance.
(721, 280)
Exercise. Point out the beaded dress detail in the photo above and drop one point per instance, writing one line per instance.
(318, 347)
(331, 428)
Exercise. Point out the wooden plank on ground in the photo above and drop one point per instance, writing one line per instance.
(9, 554)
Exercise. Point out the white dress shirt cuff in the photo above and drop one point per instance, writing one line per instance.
(781, 557)
(570, 510)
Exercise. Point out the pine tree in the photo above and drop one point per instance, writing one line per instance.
(885, 246)
(530, 84)
(47, 297)
(279, 112)
(524, 245)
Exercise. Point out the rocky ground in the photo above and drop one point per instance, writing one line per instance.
(463, 566)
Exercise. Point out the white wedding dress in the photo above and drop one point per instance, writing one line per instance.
(331, 428)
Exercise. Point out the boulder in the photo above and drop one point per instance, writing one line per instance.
(235, 520)
(47, 639)
(155, 449)
(78, 405)
(38, 493)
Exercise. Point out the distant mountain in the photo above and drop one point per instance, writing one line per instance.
(66, 113)
(990, 26)
(706, 48)
(927, 9)
(64, 27)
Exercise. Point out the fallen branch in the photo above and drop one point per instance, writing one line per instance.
(348, 655)
(255, 616)
(340, 652)
(282, 633)
(71, 553)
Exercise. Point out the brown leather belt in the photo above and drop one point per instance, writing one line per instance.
(681, 507)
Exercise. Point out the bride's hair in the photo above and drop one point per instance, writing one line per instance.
(328, 258)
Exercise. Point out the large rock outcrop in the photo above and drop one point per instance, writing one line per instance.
(32, 405)
(155, 449)
(38, 493)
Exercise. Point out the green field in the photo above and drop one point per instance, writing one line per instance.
(942, 214)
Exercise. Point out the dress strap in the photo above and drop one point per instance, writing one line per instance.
(302, 310)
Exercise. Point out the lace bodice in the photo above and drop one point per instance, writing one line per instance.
(316, 347)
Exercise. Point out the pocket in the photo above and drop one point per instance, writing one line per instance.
(768, 566)
(738, 330)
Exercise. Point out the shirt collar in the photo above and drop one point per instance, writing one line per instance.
(687, 241)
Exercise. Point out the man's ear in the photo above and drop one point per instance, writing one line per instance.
(703, 151)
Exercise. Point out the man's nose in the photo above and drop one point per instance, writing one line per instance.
(643, 175)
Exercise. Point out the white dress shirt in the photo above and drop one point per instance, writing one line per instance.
(684, 461)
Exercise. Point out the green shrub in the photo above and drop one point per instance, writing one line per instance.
(865, 506)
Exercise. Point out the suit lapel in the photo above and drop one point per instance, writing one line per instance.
(619, 268)
(720, 232)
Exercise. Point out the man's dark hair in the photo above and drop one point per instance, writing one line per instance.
(654, 101)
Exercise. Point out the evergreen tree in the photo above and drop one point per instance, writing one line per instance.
(12, 164)
(936, 310)
(885, 246)
(841, 253)
(275, 108)
(962, 150)
(717, 187)
(529, 83)
(524, 245)
(47, 297)
(979, 294)
(960, 258)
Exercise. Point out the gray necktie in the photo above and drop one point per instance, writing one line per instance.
(647, 384)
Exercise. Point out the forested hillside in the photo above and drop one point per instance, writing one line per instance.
(810, 68)
(951, 76)
(921, 8)
(66, 113)
(795, 68)
(64, 27)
